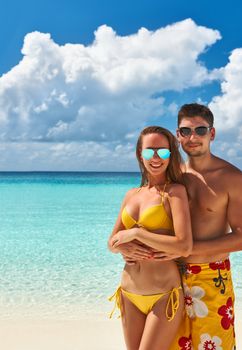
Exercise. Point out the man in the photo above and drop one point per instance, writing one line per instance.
(214, 188)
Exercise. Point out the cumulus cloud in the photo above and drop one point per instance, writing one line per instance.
(228, 106)
(227, 109)
(103, 92)
(99, 92)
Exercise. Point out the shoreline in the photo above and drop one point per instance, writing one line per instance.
(101, 334)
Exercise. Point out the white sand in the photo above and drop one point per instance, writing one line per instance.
(70, 335)
(61, 335)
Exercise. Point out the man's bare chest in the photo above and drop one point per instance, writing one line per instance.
(206, 196)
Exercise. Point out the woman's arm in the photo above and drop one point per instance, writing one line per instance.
(181, 243)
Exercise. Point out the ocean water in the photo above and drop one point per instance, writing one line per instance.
(54, 261)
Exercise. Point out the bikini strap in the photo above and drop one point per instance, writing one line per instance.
(116, 297)
(162, 193)
(173, 303)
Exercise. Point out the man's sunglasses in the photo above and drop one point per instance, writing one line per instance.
(163, 153)
(199, 130)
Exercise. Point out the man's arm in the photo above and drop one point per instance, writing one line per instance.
(231, 242)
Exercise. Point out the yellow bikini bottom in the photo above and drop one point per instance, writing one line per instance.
(145, 303)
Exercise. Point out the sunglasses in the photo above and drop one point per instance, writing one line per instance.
(199, 131)
(163, 153)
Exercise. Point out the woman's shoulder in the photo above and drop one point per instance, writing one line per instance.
(175, 189)
(131, 192)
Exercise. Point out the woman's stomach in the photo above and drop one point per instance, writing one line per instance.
(150, 277)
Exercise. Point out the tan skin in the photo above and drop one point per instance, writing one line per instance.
(150, 276)
(214, 188)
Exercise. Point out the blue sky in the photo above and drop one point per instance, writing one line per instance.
(80, 79)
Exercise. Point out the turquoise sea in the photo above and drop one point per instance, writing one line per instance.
(54, 227)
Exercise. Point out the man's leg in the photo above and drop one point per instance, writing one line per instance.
(209, 300)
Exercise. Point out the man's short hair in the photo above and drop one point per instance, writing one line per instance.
(195, 110)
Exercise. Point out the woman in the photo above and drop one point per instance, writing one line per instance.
(156, 215)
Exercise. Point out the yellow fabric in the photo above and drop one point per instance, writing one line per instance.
(117, 300)
(209, 303)
(145, 303)
(152, 218)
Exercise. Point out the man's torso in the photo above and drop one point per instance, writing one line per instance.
(208, 201)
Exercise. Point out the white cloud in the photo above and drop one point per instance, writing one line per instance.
(227, 110)
(230, 150)
(109, 82)
(103, 92)
(72, 156)
(228, 106)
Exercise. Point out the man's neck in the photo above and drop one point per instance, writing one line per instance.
(201, 163)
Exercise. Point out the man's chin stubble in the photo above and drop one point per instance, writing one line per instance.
(197, 154)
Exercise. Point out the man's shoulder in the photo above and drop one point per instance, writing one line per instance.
(228, 175)
(225, 168)
(218, 171)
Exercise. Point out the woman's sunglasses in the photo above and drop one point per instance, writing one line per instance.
(163, 153)
(199, 130)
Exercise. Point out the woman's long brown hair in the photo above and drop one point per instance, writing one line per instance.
(173, 172)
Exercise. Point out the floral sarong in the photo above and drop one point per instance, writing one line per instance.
(209, 303)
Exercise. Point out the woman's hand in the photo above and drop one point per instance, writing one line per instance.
(123, 236)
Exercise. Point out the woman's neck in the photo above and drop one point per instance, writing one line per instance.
(157, 181)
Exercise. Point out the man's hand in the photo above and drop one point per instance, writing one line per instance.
(132, 251)
(128, 260)
(162, 256)
(157, 256)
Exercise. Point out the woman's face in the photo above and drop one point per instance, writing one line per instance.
(155, 165)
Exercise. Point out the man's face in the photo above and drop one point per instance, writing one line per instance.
(195, 145)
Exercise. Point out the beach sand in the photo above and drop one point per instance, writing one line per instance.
(70, 335)
(61, 335)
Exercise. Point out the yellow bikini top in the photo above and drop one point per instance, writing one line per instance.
(152, 218)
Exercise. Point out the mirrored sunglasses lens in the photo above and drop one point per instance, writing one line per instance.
(147, 153)
(164, 153)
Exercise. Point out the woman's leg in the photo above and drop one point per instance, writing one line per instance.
(133, 321)
(159, 333)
